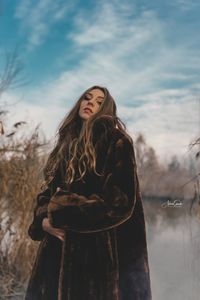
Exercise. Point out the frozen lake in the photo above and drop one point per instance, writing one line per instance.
(174, 253)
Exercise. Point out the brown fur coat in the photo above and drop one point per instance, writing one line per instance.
(104, 253)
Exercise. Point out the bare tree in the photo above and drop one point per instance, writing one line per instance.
(12, 74)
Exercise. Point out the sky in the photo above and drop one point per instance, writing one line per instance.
(145, 52)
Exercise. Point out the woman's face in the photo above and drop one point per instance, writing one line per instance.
(91, 103)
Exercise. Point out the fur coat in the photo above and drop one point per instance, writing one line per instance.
(104, 253)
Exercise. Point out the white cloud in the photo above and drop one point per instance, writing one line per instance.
(134, 50)
(186, 5)
(48, 115)
(38, 18)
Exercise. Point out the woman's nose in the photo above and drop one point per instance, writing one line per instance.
(91, 101)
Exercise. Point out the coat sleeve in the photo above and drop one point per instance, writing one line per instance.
(105, 210)
(35, 230)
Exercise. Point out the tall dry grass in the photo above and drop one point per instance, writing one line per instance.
(21, 163)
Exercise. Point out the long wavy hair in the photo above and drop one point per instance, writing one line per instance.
(74, 149)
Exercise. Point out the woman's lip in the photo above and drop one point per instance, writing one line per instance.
(87, 109)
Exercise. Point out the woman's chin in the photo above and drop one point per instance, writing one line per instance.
(85, 116)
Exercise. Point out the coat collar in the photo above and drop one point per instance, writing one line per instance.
(102, 126)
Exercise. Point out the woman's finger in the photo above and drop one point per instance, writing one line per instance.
(61, 238)
(60, 231)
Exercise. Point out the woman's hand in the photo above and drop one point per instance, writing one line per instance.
(57, 232)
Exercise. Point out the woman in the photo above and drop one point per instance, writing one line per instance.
(89, 218)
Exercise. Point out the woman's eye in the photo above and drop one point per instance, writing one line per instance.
(87, 97)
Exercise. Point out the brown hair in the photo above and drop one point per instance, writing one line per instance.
(74, 146)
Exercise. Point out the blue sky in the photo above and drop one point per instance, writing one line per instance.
(145, 52)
